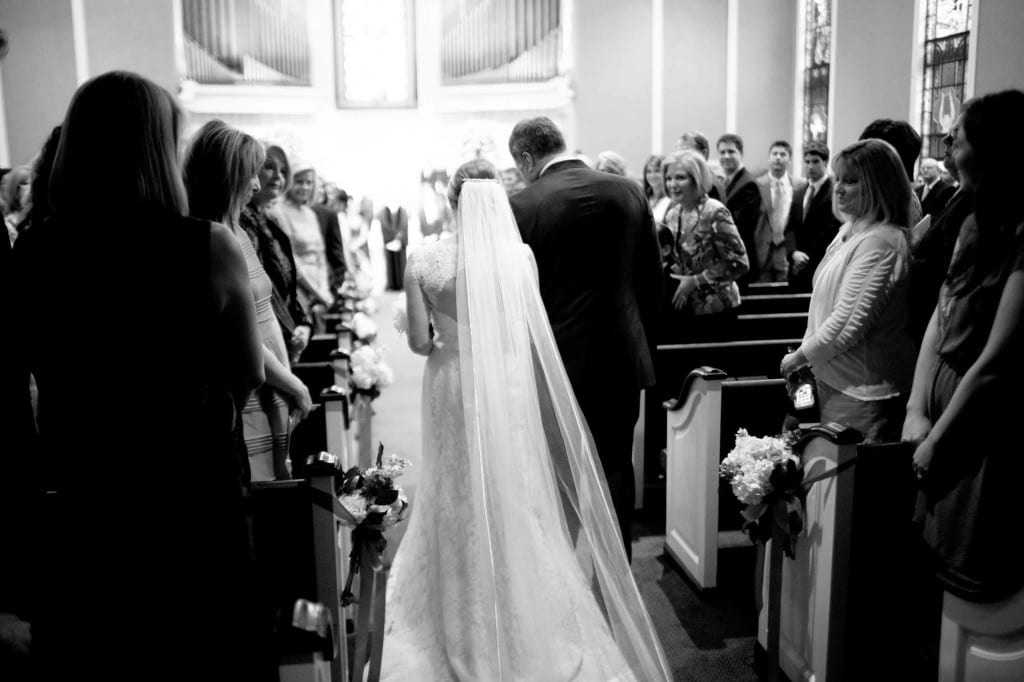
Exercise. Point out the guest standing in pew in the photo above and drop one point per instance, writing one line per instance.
(654, 188)
(856, 341)
(334, 247)
(965, 404)
(301, 225)
(275, 250)
(600, 279)
(144, 542)
(907, 143)
(221, 170)
(707, 253)
(932, 246)
(742, 198)
(812, 225)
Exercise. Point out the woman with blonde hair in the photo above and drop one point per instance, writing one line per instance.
(856, 340)
(220, 168)
(708, 255)
(302, 226)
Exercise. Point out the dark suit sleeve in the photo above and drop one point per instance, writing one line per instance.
(335, 248)
(796, 209)
(647, 276)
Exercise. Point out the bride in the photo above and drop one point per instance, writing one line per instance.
(512, 567)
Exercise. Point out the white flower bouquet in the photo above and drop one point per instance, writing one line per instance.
(364, 328)
(764, 471)
(369, 372)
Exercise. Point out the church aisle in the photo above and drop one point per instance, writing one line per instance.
(706, 637)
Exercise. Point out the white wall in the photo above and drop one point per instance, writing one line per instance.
(695, 55)
(766, 52)
(1000, 56)
(133, 36)
(871, 65)
(38, 72)
(613, 79)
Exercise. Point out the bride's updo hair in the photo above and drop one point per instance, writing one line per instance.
(477, 169)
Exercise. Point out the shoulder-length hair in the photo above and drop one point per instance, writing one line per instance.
(119, 140)
(219, 166)
(652, 160)
(885, 189)
(693, 164)
(275, 152)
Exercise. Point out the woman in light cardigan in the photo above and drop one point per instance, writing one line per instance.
(856, 340)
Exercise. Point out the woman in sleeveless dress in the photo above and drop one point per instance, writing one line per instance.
(220, 168)
(143, 528)
(512, 567)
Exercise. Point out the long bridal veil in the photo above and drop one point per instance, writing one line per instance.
(536, 474)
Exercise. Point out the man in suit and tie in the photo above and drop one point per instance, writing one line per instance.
(812, 225)
(935, 193)
(777, 189)
(742, 197)
(600, 278)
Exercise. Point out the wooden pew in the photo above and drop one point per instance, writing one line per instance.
(672, 363)
(701, 513)
(760, 304)
(295, 528)
(847, 598)
(769, 326)
(982, 642)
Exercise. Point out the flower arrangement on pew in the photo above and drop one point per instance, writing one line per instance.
(767, 477)
(364, 329)
(357, 289)
(369, 373)
(376, 503)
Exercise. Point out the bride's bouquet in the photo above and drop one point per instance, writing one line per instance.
(764, 474)
(369, 372)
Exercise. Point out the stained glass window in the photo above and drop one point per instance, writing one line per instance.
(375, 51)
(947, 29)
(817, 66)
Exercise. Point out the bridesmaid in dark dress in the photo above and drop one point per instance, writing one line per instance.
(965, 407)
(147, 570)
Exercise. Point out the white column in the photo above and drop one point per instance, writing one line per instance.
(657, 76)
(81, 49)
(731, 65)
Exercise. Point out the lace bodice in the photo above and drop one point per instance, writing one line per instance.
(435, 268)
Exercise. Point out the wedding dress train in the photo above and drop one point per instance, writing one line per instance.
(511, 567)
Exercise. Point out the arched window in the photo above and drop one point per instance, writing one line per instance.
(946, 38)
(817, 68)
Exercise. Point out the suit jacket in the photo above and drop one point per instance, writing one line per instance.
(600, 272)
(763, 232)
(743, 199)
(810, 233)
(937, 198)
(333, 245)
(394, 225)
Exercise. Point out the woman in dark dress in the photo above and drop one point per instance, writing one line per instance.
(962, 411)
(147, 572)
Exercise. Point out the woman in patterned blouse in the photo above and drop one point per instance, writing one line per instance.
(708, 254)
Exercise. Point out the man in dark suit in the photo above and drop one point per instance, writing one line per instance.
(812, 226)
(330, 228)
(742, 197)
(394, 226)
(935, 193)
(600, 278)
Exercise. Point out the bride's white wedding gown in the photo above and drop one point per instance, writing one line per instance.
(472, 597)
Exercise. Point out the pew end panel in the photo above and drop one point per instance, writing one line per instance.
(982, 642)
(814, 606)
(691, 504)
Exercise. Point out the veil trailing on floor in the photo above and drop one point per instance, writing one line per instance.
(535, 470)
